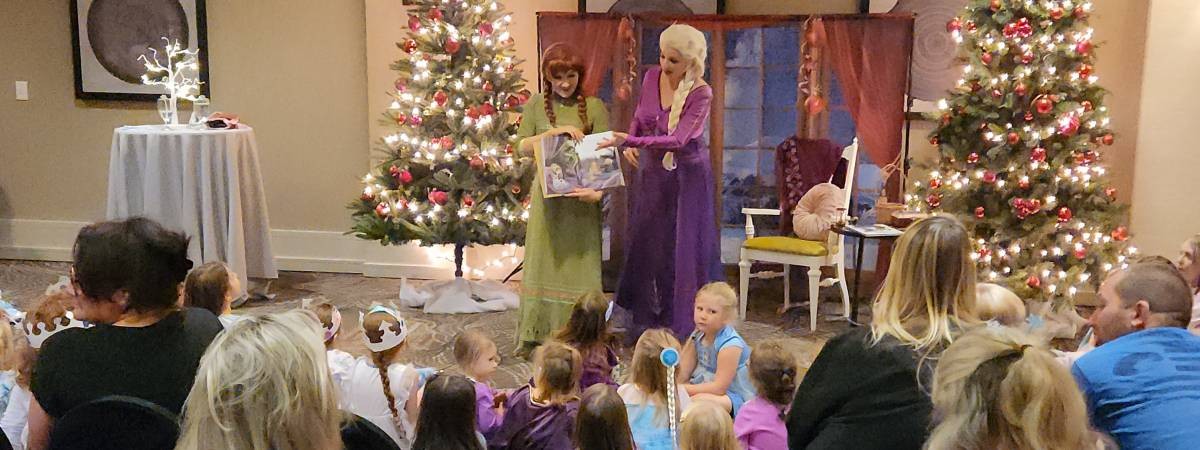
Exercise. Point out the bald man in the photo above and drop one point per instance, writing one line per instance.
(1142, 382)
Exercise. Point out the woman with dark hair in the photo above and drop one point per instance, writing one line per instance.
(126, 276)
(563, 237)
(447, 419)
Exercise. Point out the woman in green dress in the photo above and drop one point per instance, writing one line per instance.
(562, 241)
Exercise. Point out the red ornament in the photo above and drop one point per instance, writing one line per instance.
(415, 121)
(1079, 12)
(508, 149)
(971, 25)
(814, 104)
(1042, 104)
(414, 23)
(1038, 155)
(934, 200)
(468, 201)
(1070, 126)
(1111, 192)
(972, 158)
(516, 189)
(410, 46)
(404, 177)
(1085, 71)
(1057, 13)
(438, 197)
(401, 119)
(439, 97)
(1083, 47)
(393, 170)
(1080, 158)
(935, 183)
(1080, 253)
(1010, 30)
(1087, 105)
(1020, 89)
(989, 177)
(1026, 58)
(1107, 139)
(381, 209)
(1013, 138)
(452, 46)
(487, 86)
(485, 29)
(524, 94)
(997, 93)
(986, 57)
(934, 140)
(1033, 281)
(446, 142)
(984, 252)
(1023, 183)
(487, 109)
(366, 197)
(477, 163)
(979, 212)
(512, 102)
(1064, 214)
(945, 119)
(995, 5)
(975, 86)
(473, 112)
(435, 14)
(1120, 234)
(953, 25)
(400, 86)
(1028, 116)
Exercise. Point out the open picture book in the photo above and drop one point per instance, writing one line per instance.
(565, 164)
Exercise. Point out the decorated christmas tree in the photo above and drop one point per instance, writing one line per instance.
(1020, 142)
(448, 173)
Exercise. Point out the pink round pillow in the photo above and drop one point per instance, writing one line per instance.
(816, 211)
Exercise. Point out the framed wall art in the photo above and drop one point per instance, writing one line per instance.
(108, 36)
(668, 7)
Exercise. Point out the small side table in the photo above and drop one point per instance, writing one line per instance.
(858, 258)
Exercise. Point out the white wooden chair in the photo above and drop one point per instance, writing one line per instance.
(793, 251)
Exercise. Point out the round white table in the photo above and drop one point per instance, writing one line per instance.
(203, 182)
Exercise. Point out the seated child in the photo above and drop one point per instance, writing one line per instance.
(705, 426)
(645, 395)
(587, 331)
(541, 415)
(995, 303)
(378, 387)
(759, 424)
(715, 354)
(340, 361)
(213, 287)
(602, 423)
(478, 358)
(48, 317)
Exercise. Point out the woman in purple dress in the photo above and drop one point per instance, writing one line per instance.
(672, 247)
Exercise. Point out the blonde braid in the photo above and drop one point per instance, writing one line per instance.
(681, 94)
(382, 365)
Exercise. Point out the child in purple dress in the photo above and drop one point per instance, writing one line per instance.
(587, 331)
(759, 424)
(477, 357)
(541, 415)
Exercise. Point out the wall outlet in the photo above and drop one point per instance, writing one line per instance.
(22, 90)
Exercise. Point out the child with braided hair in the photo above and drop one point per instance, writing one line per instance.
(563, 245)
(378, 387)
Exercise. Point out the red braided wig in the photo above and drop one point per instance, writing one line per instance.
(559, 58)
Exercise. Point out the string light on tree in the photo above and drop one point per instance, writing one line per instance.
(179, 76)
(1020, 160)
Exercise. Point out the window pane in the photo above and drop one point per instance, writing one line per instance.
(742, 127)
(743, 88)
(841, 128)
(779, 88)
(781, 45)
(778, 124)
(738, 181)
(743, 48)
(766, 169)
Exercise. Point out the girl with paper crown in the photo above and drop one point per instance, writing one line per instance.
(378, 387)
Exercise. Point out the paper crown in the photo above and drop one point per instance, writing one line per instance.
(335, 319)
(390, 336)
(37, 333)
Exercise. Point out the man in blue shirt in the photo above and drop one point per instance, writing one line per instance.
(1142, 382)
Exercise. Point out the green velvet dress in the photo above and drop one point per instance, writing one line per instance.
(562, 240)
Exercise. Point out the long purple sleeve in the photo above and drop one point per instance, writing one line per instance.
(691, 125)
(487, 419)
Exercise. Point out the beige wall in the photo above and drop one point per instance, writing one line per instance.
(292, 69)
(1166, 184)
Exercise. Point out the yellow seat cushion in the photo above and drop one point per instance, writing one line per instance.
(786, 244)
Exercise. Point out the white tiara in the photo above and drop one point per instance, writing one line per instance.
(389, 338)
(40, 334)
(335, 319)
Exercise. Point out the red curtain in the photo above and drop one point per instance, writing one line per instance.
(594, 37)
(870, 58)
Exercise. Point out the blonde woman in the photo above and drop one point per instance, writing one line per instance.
(1189, 265)
(867, 388)
(999, 387)
(264, 385)
(671, 248)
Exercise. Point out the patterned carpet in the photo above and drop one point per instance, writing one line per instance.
(432, 338)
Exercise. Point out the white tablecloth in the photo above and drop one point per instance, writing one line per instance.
(205, 183)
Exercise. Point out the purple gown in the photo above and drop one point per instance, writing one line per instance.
(671, 244)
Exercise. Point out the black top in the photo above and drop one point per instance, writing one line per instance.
(862, 396)
(157, 363)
